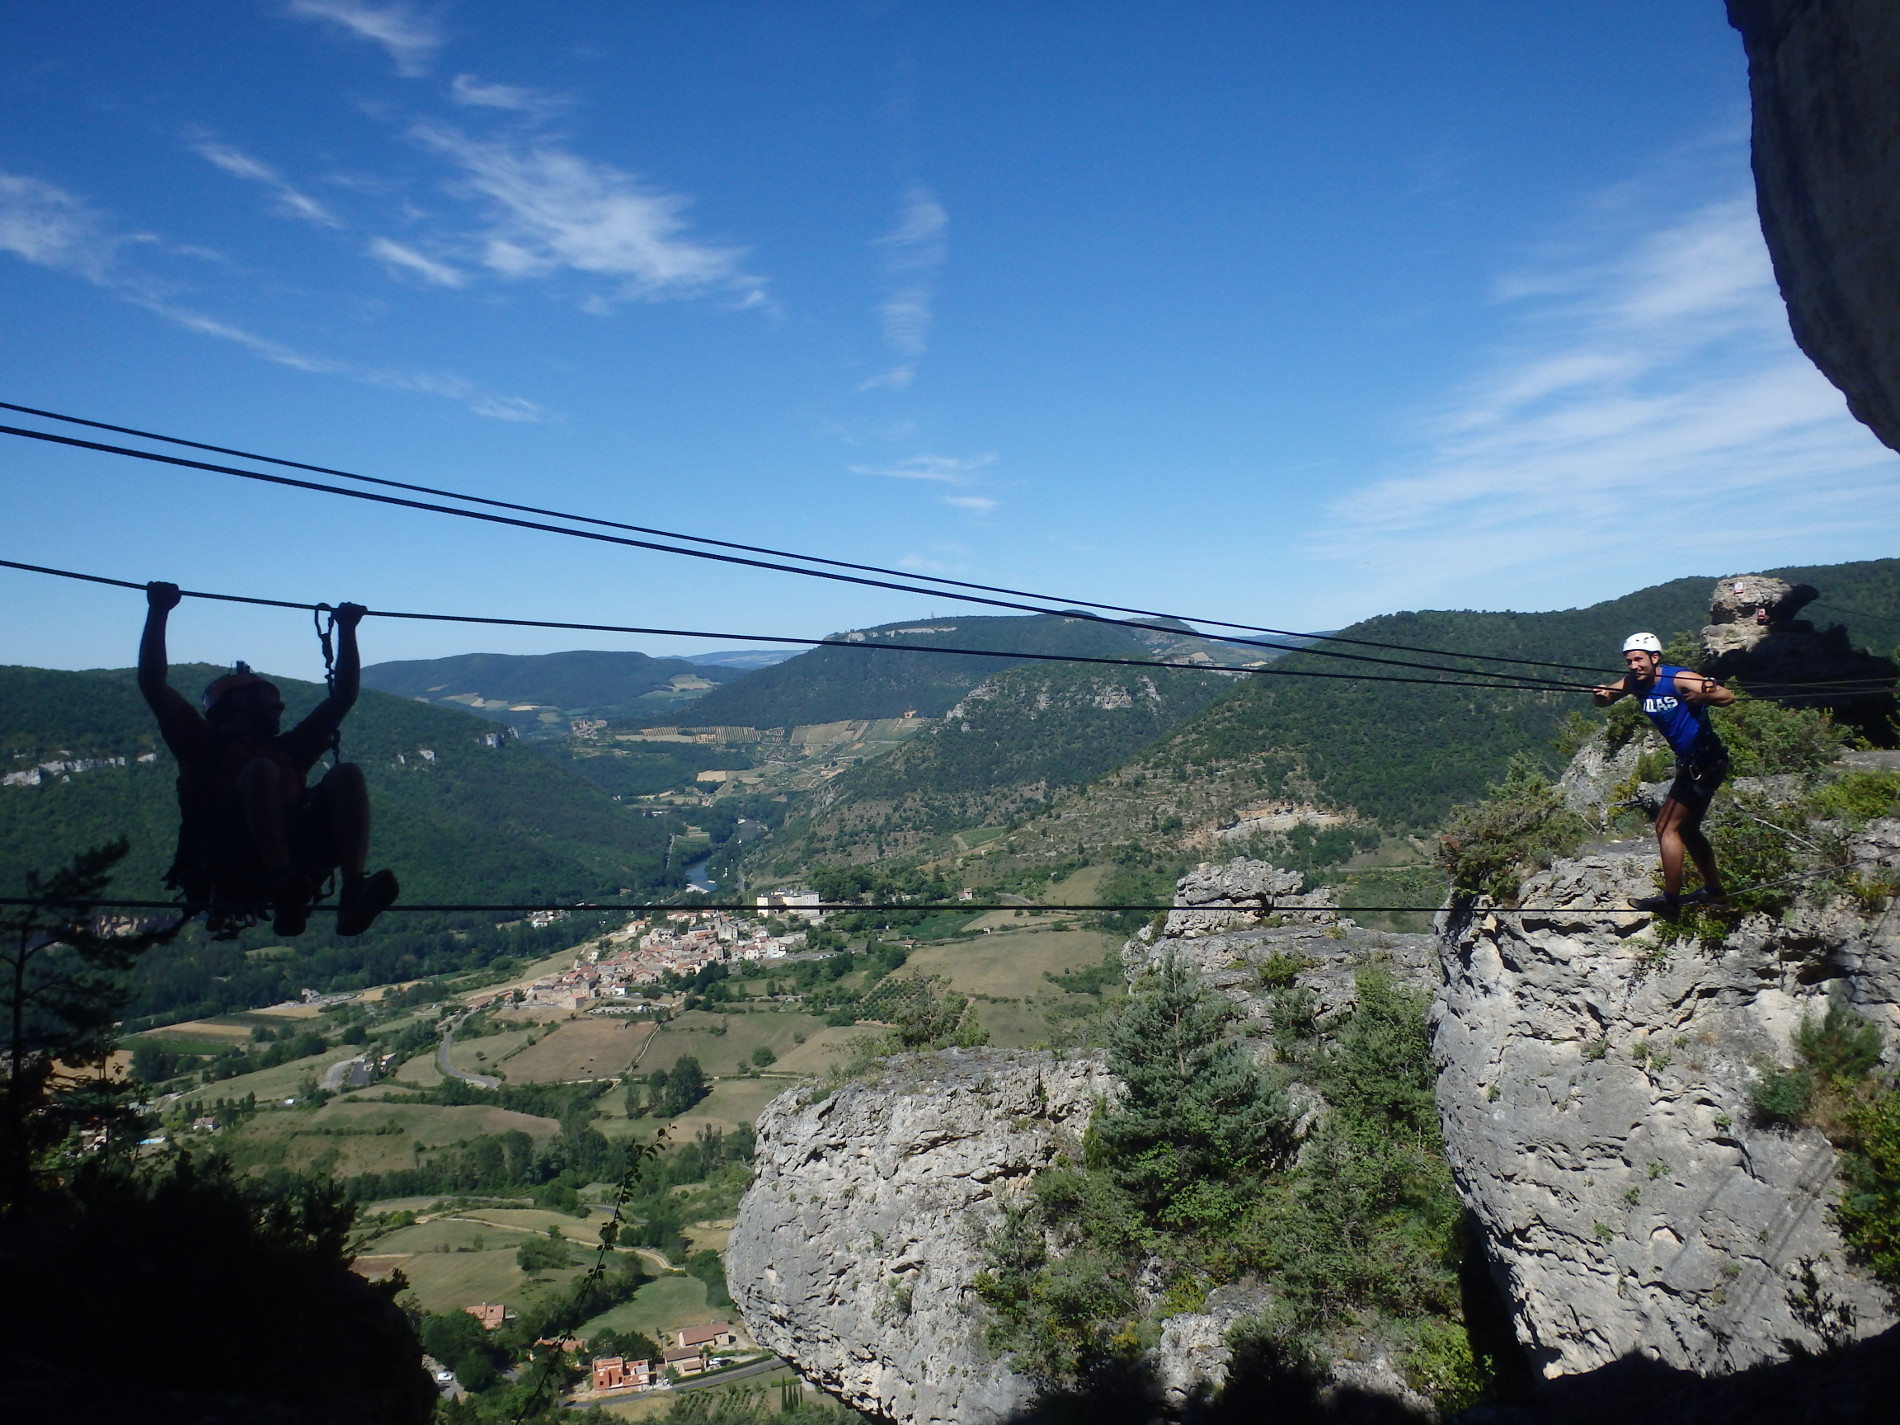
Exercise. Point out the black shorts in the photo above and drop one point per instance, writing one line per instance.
(1696, 782)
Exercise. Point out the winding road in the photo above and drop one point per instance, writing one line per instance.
(449, 1071)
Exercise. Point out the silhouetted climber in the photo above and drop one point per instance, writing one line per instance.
(251, 833)
(1677, 701)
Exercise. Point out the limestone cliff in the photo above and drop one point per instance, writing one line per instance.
(1593, 1088)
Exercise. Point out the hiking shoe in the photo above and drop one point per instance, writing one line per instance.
(363, 900)
(290, 897)
(1706, 898)
(1664, 904)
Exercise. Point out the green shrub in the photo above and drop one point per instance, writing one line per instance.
(1765, 738)
(1440, 1364)
(1869, 1211)
(1781, 1096)
(1758, 846)
(1278, 970)
(1842, 1046)
(1858, 797)
(1521, 827)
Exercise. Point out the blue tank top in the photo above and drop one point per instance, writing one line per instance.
(1684, 726)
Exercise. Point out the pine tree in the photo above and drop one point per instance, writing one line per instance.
(1198, 1117)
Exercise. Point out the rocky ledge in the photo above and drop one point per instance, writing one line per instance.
(1593, 1087)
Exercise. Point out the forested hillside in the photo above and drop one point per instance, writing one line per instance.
(1394, 757)
(841, 681)
(462, 811)
(519, 689)
(1011, 744)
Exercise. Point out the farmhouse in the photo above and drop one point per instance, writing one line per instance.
(716, 1333)
(490, 1313)
(688, 1361)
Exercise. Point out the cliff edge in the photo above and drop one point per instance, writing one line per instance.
(1594, 1089)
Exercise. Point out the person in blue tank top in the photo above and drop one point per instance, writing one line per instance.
(1677, 700)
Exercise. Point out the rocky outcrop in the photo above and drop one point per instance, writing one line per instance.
(1822, 75)
(1230, 920)
(854, 1249)
(1753, 636)
(1593, 1089)
(1212, 898)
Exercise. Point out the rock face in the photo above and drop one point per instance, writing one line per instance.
(854, 1249)
(1593, 1090)
(1823, 75)
(1230, 919)
(1212, 898)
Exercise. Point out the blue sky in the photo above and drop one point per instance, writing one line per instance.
(1272, 312)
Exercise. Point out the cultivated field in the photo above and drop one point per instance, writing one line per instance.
(648, 1404)
(449, 1281)
(585, 1047)
(284, 1081)
(481, 1056)
(731, 1103)
(724, 1043)
(820, 1048)
(298, 1140)
(421, 1070)
(658, 1307)
(1009, 964)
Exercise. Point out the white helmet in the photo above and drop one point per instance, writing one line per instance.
(1642, 642)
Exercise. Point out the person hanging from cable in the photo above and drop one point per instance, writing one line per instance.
(251, 832)
(1677, 700)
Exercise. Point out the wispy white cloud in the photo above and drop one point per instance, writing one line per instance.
(410, 37)
(551, 211)
(49, 227)
(52, 228)
(946, 469)
(914, 252)
(291, 202)
(980, 504)
(1652, 415)
(428, 383)
(407, 259)
(467, 90)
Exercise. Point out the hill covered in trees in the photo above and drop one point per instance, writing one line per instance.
(1392, 758)
(537, 692)
(847, 679)
(1013, 743)
(463, 811)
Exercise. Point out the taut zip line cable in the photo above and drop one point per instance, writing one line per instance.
(973, 907)
(1539, 685)
(749, 548)
(1523, 680)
